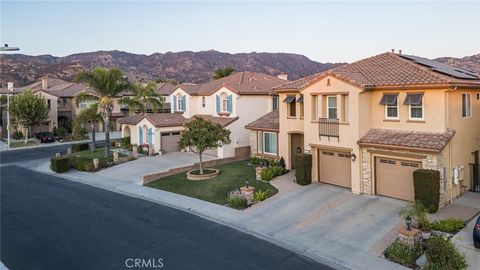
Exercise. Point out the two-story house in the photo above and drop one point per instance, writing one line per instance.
(370, 124)
(233, 102)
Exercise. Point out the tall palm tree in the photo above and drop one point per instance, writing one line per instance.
(143, 94)
(107, 84)
(91, 115)
(222, 72)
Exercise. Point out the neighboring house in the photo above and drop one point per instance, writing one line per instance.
(370, 124)
(233, 101)
(164, 90)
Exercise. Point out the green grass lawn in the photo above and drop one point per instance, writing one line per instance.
(232, 176)
(22, 144)
(87, 154)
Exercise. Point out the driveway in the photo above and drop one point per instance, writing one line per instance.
(328, 220)
(134, 171)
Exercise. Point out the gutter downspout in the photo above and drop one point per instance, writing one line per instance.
(447, 122)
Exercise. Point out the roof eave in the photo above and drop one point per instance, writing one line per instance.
(398, 147)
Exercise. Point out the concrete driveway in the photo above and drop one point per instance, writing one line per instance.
(328, 220)
(133, 171)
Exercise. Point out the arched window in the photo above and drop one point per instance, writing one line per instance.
(180, 105)
(224, 99)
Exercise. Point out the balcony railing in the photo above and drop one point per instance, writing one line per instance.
(328, 127)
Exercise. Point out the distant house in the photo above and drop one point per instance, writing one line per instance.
(233, 102)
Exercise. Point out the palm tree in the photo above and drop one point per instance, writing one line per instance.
(91, 115)
(106, 84)
(143, 94)
(222, 72)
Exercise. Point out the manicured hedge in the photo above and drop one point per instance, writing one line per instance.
(427, 188)
(80, 147)
(60, 164)
(303, 169)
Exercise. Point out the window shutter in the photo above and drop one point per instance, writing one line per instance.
(184, 102)
(174, 103)
(230, 104)
(218, 103)
(140, 135)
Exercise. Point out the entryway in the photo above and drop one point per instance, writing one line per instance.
(296, 147)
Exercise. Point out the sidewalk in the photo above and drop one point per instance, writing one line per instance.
(245, 221)
(98, 137)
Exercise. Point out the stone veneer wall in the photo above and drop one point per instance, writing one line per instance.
(431, 162)
(253, 142)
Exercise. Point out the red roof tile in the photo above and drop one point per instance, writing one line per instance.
(157, 119)
(269, 121)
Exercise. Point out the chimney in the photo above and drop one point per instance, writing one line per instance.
(400, 52)
(45, 82)
(283, 76)
(393, 50)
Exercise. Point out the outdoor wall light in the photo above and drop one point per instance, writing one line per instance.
(353, 157)
(408, 221)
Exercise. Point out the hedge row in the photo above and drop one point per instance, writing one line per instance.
(80, 147)
(427, 188)
(303, 169)
(60, 164)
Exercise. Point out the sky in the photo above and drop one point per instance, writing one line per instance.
(322, 31)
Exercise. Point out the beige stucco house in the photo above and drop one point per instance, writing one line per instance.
(370, 124)
(233, 102)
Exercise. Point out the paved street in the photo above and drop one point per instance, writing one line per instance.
(52, 223)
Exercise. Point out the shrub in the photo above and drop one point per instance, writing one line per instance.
(125, 142)
(102, 163)
(274, 163)
(60, 165)
(282, 164)
(276, 170)
(404, 254)
(427, 188)
(442, 254)
(60, 132)
(261, 195)
(417, 211)
(255, 160)
(80, 147)
(449, 225)
(85, 165)
(17, 135)
(303, 169)
(267, 174)
(237, 202)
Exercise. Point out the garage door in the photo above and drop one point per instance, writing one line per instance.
(170, 142)
(394, 178)
(334, 168)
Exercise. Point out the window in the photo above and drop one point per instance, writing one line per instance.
(259, 142)
(291, 106)
(346, 108)
(180, 105)
(300, 101)
(478, 96)
(390, 101)
(224, 103)
(203, 102)
(332, 107)
(49, 103)
(415, 106)
(466, 105)
(275, 103)
(270, 143)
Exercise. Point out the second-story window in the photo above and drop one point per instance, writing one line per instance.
(291, 106)
(275, 103)
(390, 101)
(49, 103)
(224, 103)
(415, 106)
(203, 102)
(466, 105)
(300, 102)
(332, 107)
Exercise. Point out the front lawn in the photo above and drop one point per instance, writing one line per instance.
(232, 176)
(87, 154)
(22, 144)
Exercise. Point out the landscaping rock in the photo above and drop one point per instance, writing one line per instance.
(421, 261)
(258, 172)
(115, 157)
(409, 237)
(95, 163)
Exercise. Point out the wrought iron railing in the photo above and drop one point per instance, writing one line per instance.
(328, 127)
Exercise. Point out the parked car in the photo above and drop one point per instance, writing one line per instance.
(476, 233)
(45, 137)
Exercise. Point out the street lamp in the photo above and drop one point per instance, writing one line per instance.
(5, 48)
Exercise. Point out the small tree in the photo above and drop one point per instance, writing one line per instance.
(202, 135)
(91, 115)
(29, 110)
(222, 72)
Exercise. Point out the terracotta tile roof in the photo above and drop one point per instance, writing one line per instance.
(165, 88)
(387, 69)
(157, 119)
(189, 88)
(269, 121)
(415, 140)
(57, 87)
(223, 121)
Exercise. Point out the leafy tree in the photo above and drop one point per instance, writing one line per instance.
(201, 135)
(29, 110)
(222, 72)
(143, 94)
(107, 84)
(91, 115)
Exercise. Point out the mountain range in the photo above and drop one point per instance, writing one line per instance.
(186, 66)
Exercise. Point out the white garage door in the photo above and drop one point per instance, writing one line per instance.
(170, 141)
(394, 178)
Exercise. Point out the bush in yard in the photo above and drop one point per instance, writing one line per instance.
(282, 164)
(427, 188)
(237, 201)
(261, 195)
(255, 160)
(404, 254)
(277, 170)
(267, 174)
(303, 169)
(17, 135)
(125, 142)
(80, 147)
(85, 165)
(449, 225)
(60, 164)
(417, 211)
(442, 254)
(102, 163)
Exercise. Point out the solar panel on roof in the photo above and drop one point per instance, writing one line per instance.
(443, 68)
